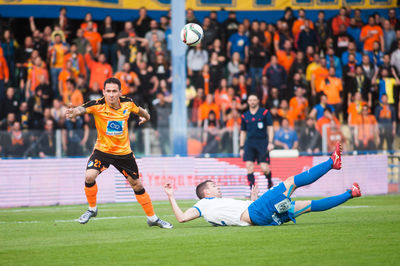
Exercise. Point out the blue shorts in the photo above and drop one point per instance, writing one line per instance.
(256, 150)
(263, 211)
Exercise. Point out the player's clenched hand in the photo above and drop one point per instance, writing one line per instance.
(142, 120)
(168, 189)
(69, 113)
(270, 146)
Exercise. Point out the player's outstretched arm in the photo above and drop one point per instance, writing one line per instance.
(181, 216)
(74, 112)
(144, 116)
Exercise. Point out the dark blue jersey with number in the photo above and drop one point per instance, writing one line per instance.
(256, 125)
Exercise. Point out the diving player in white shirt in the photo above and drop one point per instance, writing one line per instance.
(274, 207)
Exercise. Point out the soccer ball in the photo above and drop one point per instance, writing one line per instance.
(191, 34)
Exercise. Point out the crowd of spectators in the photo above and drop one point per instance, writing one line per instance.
(330, 71)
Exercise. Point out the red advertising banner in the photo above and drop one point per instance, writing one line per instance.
(61, 181)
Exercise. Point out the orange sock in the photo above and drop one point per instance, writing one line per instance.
(145, 201)
(91, 193)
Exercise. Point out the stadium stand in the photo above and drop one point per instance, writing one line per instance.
(290, 64)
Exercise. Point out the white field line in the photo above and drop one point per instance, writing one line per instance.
(354, 207)
(76, 220)
(102, 206)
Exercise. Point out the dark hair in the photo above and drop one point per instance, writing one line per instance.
(252, 94)
(113, 81)
(200, 188)
(327, 109)
(72, 81)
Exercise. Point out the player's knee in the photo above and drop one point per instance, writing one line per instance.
(250, 167)
(135, 184)
(264, 167)
(90, 176)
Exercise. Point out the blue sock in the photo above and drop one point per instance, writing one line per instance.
(328, 203)
(313, 174)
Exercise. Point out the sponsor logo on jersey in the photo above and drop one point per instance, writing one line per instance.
(90, 164)
(115, 128)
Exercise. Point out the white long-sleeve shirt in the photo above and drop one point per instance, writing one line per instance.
(395, 60)
(222, 211)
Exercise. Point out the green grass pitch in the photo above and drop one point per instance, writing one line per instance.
(364, 231)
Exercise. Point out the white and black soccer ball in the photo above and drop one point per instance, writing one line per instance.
(191, 34)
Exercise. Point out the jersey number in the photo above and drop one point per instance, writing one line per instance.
(97, 163)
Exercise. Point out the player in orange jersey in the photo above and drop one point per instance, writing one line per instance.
(111, 115)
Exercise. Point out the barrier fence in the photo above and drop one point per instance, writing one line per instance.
(202, 141)
(35, 182)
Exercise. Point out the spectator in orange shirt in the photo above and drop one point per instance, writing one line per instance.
(99, 70)
(299, 106)
(340, 19)
(332, 87)
(4, 76)
(94, 38)
(57, 50)
(286, 57)
(285, 112)
(34, 76)
(327, 119)
(195, 104)
(88, 19)
(366, 133)
(371, 33)
(66, 74)
(355, 108)
(281, 35)
(206, 107)
(78, 63)
(319, 73)
(334, 135)
(298, 25)
(127, 78)
(267, 36)
(74, 96)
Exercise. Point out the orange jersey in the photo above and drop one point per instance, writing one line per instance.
(320, 73)
(112, 125)
(337, 21)
(4, 72)
(35, 74)
(99, 72)
(78, 63)
(285, 60)
(354, 110)
(332, 87)
(268, 39)
(94, 39)
(206, 108)
(76, 98)
(366, 125)
(57, 51)
(375, 32)
(84, 26)
(298, 26)
(324, 120)
(299, 108)
(126, 78)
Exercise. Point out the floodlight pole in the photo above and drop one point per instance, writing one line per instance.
(179, 112)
